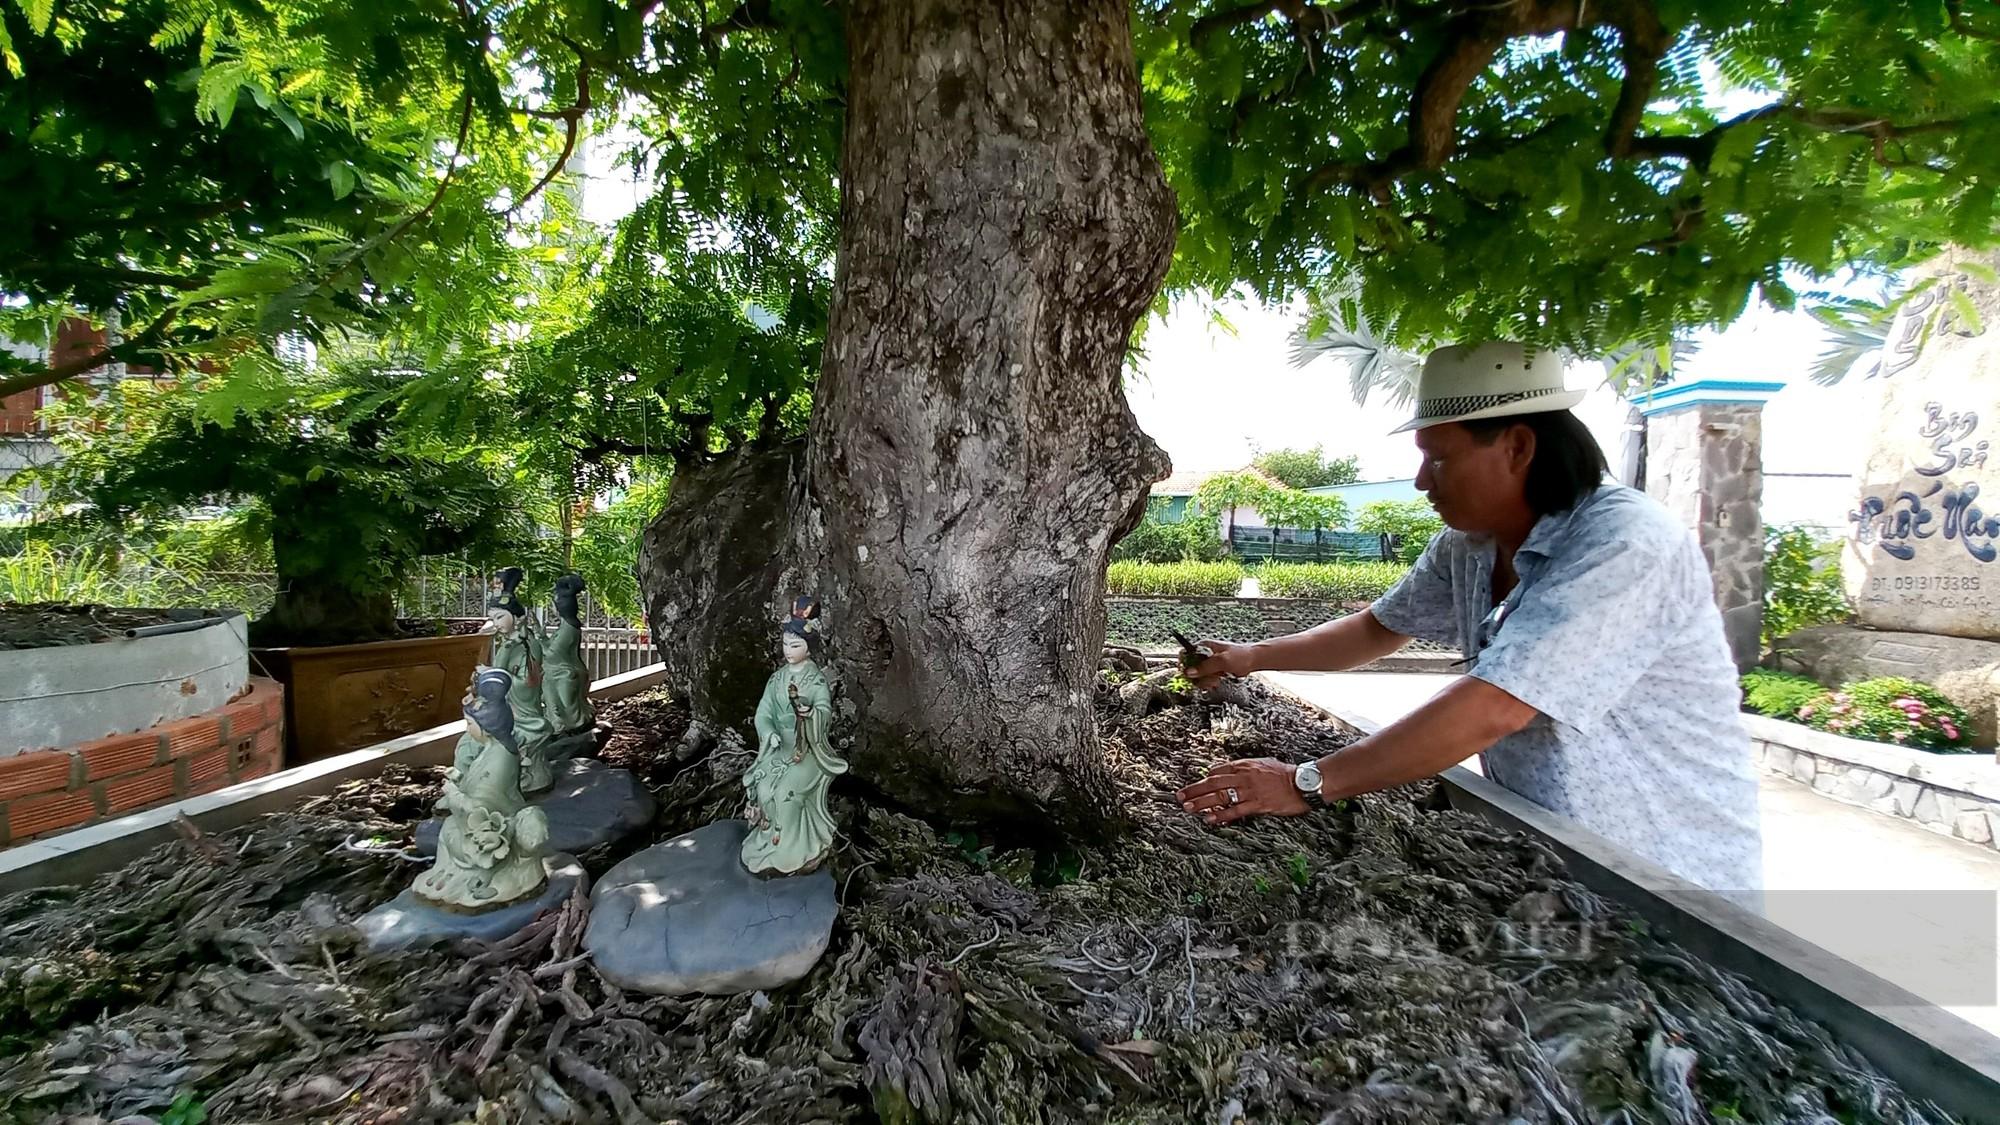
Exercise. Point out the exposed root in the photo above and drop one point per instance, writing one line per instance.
(1378, 963)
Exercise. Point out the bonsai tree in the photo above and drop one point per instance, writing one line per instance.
(350, 497)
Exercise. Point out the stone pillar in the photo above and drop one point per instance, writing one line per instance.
(1704, 461)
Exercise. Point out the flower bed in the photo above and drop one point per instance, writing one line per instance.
(1888, 709)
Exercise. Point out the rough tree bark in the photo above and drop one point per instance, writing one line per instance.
(1004, 224)
(714, 566)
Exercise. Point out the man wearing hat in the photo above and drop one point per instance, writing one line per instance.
(1598, 681)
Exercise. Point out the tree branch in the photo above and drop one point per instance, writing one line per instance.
(125, 351)
(572, 119)
(1956, 8)
(595, 450)
(1311, 19)
(1645, 41)
(747, 16)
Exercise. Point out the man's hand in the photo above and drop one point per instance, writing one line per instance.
(1260, 787)
(1228, 660)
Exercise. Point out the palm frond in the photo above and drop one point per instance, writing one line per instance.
(1371, 364)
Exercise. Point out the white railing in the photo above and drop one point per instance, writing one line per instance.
(613, 652)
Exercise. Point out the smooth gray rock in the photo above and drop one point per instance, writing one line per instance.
(589, 804)
(684, 916)
(407, 921)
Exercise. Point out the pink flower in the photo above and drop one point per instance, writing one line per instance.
(1806, 712)
(1950, 729)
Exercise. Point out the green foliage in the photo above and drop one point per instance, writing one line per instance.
(1289, 143)
(1308, 468)
(1778, 694)
(607, 547)
(1410, 523)
(42, 572)
(1193, 538)
(1181, 579)
(186, 1110)
(1891, 709)
(1802, 585)
(1299, 867)
(221, 174)
(347, 502)
(1345, 582)
(1280, 506)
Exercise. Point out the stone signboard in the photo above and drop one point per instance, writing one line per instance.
(1923, 546)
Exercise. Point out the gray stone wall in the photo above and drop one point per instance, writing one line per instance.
(1951, 795)
(1705, 463)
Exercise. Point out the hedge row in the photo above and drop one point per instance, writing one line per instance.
(1180, 579)
(1334, 582)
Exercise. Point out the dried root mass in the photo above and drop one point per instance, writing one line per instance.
(1380, 963)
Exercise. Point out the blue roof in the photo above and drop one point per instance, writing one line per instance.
(1368, 492)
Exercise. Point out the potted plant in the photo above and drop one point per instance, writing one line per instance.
(349, 499)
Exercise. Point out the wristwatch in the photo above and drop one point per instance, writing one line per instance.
(1307, 779)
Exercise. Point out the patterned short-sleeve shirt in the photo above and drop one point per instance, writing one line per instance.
(1614, 637)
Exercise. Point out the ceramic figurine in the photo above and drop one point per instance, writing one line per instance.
(491, 849)
(565, 677)
(517, 651)
(785, 788)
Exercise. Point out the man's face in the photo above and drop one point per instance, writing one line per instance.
(1474, 484)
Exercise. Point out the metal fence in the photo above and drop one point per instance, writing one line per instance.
(1254, 544)
(615, 651)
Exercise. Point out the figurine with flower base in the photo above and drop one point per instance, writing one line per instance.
(786, 787)
(495, 871)
(490, 850)
(565, 676)
(517, 650)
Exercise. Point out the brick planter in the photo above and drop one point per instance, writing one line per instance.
(49, 791)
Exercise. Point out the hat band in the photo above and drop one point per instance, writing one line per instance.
(1471, 404)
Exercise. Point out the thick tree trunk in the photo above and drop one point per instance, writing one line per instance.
(1004, 224)
(714, 567)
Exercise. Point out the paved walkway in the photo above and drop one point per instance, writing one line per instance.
(1826, 866)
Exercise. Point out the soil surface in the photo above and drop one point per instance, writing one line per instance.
(1381, 962)
(48, 624)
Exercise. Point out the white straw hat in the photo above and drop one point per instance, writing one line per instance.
(1496, 380)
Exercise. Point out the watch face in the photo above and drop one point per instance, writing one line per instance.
(1307, 776)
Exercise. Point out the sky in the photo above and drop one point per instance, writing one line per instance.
(1211, 397)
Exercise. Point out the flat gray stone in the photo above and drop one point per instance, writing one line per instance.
(406, 921)
(1972, 825)
(589, 804)
(684, 916)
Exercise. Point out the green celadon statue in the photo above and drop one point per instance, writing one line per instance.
(565, 676)
(517, 651)
(785, 788)
(491, 848)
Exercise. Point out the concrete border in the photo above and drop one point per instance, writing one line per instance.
(1925, 1049)
(1976, 773)
(74, 857)
(59, 696)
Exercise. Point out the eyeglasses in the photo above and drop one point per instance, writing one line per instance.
(1489, 627)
